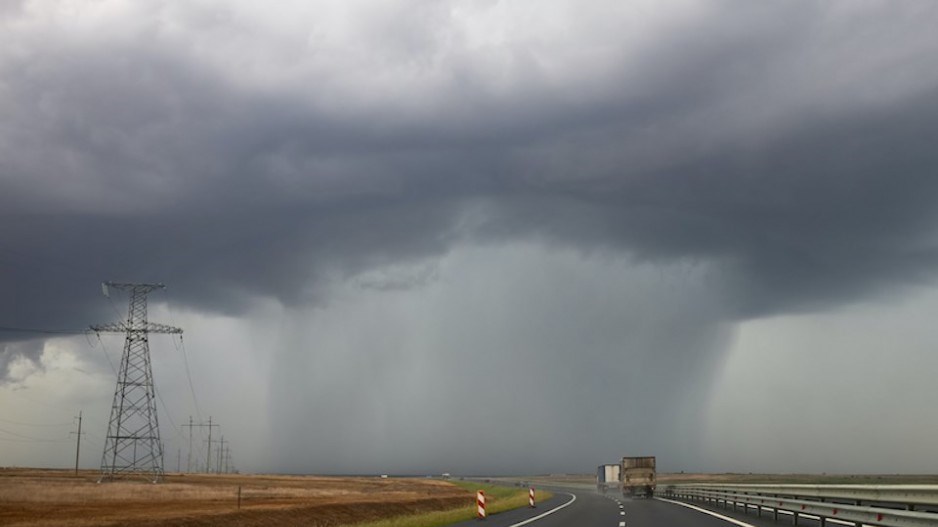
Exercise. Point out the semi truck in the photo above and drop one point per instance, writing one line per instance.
(607, 476)
(638, 476)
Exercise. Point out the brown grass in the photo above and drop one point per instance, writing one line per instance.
(46, 498)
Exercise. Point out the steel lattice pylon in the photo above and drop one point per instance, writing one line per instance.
(132, 445)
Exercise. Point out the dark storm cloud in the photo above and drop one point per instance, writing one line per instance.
(828, 213)
(787, 143)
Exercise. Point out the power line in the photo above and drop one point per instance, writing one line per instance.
(18, 393)
(106, 354)
(185, 358)
(181, 346)
(10, 440)
(113, 307)
(43, 331)
(93, 441)
(25, 438)
(35, 424)
(168, 416)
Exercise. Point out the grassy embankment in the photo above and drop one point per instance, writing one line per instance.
(497, 499)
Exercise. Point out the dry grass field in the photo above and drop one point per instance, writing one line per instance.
(46, 498)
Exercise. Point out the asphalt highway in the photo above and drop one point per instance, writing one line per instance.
(586, 508)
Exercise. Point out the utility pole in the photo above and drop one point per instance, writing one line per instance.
(189, 460)
(208, 456)
(217, 455)
(77, 442)
(132, 444)
(221, 456)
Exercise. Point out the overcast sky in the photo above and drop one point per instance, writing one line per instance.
(478, 236)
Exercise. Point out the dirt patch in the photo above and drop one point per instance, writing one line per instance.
(47, 498)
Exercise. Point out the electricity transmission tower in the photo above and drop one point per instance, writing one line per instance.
(132, 445)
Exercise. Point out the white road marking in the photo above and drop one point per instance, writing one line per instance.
(621, 513)
(621, 524)
(705, 511)
(548, 513)
(768, 509)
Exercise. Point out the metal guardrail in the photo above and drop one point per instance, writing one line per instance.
(903, 495)
(885, 505)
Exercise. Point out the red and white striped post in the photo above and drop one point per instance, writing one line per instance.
(531, 497)
(480, 504)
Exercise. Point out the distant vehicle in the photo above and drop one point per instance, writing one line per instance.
(607, 476)
(638, 476)
(446, 475)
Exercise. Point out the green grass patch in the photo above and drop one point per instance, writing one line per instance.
(497, 499)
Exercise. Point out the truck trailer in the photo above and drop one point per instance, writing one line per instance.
(638, 476)
(607, 476)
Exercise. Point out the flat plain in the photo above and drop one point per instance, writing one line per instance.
(47, 498)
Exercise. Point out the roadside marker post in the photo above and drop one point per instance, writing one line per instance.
(531, 498)
(480, 504)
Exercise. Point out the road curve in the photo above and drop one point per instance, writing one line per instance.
(590, 509)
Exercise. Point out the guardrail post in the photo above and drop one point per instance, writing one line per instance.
(794, 518)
